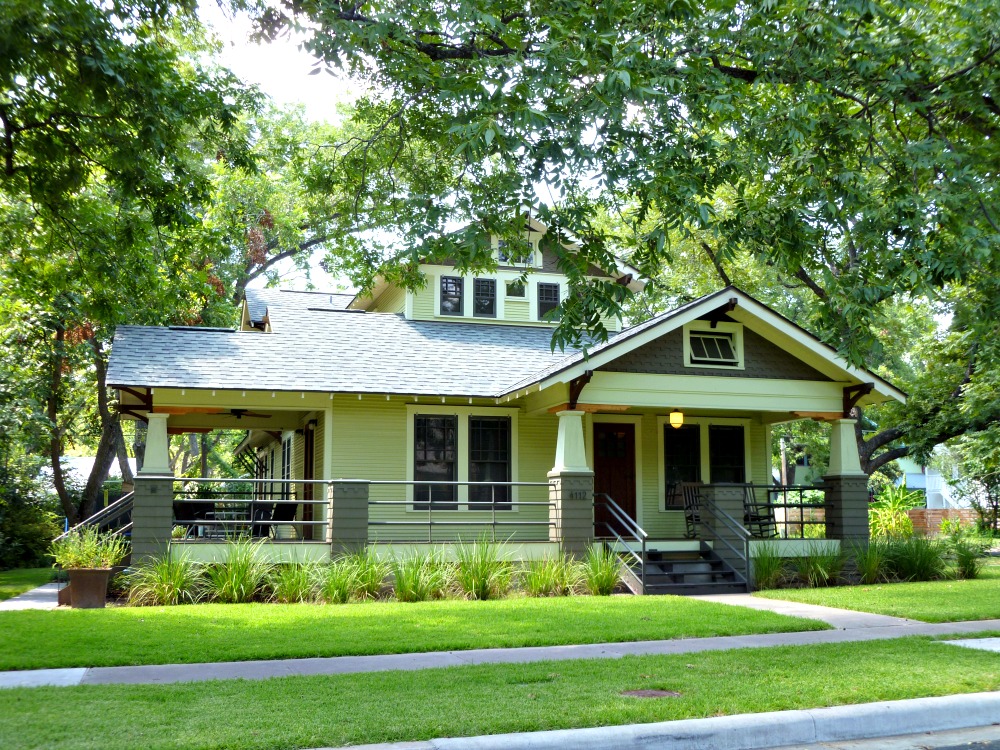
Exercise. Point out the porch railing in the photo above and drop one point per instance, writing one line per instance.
(730, 538)
(404, 512)
(619, 527)
(116, 516)
(283, 510)
(786, 511)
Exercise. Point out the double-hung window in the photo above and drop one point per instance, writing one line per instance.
(452, 298)
(548, 301)
(489, 461)
(435, 459)
(484, 298)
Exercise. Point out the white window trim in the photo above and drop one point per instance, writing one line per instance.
(533, 289)
(636, 421)
(536, 254)
(462, 446)
(705, 470)
(703, 326)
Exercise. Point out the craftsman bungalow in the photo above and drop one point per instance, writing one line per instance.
(443, 413)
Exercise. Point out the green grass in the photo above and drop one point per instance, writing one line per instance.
(227, 632)
(932, 601)
(299, 712)
(19, 580)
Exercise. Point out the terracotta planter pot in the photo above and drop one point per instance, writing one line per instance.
(88, 587)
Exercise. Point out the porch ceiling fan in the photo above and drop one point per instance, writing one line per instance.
(240, 413)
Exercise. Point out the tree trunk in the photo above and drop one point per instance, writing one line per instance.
(55, 441)
(107, 447)
(128, 479)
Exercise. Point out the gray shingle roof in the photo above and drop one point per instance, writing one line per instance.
(334, 350)
(259, 301)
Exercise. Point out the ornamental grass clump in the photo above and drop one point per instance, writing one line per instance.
(89, 548)
(420, 576)
(822, 565)
(600, 571)
(769, 568)
(551, 576)
(165, 581)
(338, 581)
(873, 561)
(969, 557)
(483, 570)
(242, 577)
(917, 559)
(370, 572)
(293, 583)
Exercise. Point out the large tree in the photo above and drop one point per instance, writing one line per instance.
(848, 145)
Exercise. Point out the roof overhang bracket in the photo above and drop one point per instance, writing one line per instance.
(719, 313)
(576, 386)
(853, 394)
(134, 415)
(145, 399)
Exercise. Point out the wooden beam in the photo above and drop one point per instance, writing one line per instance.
(590, 408)
(576, 387)
(853, 394)
(181, 410)
(819, 416)
(185, 430)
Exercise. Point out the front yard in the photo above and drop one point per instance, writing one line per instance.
(299, 712)
(236, 632)
(934, 601)
(19, 580)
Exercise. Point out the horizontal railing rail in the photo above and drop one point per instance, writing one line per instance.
(493, 516)
(792, 510)
(107, 516)
(738, 546)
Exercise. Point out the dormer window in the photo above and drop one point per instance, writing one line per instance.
(720, 346)
(548, 301)
(451, 296)
(515, 253)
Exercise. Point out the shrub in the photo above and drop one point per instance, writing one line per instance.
(370, 572)
(768, 566)
(820, 566)
(887, 516)
(873, 561)
(164, 582)
(550, 576)
(241, 577)
(89, 548)
(969, 557)
(28, 519)
(338, 581)
(600, 571)
(419, 577)
(483, 570)
(293, 583)
(917, 559)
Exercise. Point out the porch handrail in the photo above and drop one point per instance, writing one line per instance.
(781, 497)
(629, 524)
(106, 515)
(738, 530)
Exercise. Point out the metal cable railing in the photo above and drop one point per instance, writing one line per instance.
(624, 530)
(106, 516)
(739, 547)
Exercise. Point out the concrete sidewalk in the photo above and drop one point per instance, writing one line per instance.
(44, 597)
(849, 627)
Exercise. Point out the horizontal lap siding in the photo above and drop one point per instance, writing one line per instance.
(516, 310)
(392, 300)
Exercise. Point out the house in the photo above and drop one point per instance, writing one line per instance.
(434, 415)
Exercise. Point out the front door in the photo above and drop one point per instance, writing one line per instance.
(614, 472)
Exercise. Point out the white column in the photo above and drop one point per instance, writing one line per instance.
(844, 459)
(571, 455)
(156, 460)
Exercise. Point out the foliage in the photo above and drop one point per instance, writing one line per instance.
(600, 570)
(89, 548)
(768, 566)
(27, 521)
(550, 576)
(969, 558)
(165, 581)
(484, 569)
(241, 576)
(293, 582)
(370, 572)
(419, 576)
(977, 459)
(339, 581)
(916, 559)
(887, 515)
(821, 565)
(872, 561)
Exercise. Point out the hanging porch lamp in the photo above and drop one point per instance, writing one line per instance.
(676, 419)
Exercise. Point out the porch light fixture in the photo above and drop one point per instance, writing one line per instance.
(676, 419)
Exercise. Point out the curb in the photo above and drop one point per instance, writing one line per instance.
(746, 731)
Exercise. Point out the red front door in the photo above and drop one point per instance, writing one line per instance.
(614, 472)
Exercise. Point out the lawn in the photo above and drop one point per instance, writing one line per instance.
(298, 712)
(19, 580)
(933, 601)
(236, 632)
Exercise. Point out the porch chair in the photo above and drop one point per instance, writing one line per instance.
(692, 508)
(758, 517)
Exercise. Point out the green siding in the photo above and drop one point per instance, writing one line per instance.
(392, 300)
(516, 309)
(423, 301)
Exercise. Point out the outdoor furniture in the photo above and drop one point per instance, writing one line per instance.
(692, 508)
(758, 517)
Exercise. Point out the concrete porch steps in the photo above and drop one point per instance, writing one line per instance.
(690, 573)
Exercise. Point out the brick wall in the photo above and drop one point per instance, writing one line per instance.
(927, 521)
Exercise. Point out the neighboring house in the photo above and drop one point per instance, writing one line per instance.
(436, 414)
(939, 492)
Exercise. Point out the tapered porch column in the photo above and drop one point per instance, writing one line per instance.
(152, 504)
(571, 487)
(847, 496)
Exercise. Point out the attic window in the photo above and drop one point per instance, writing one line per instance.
(515, 254)
(721, 346)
